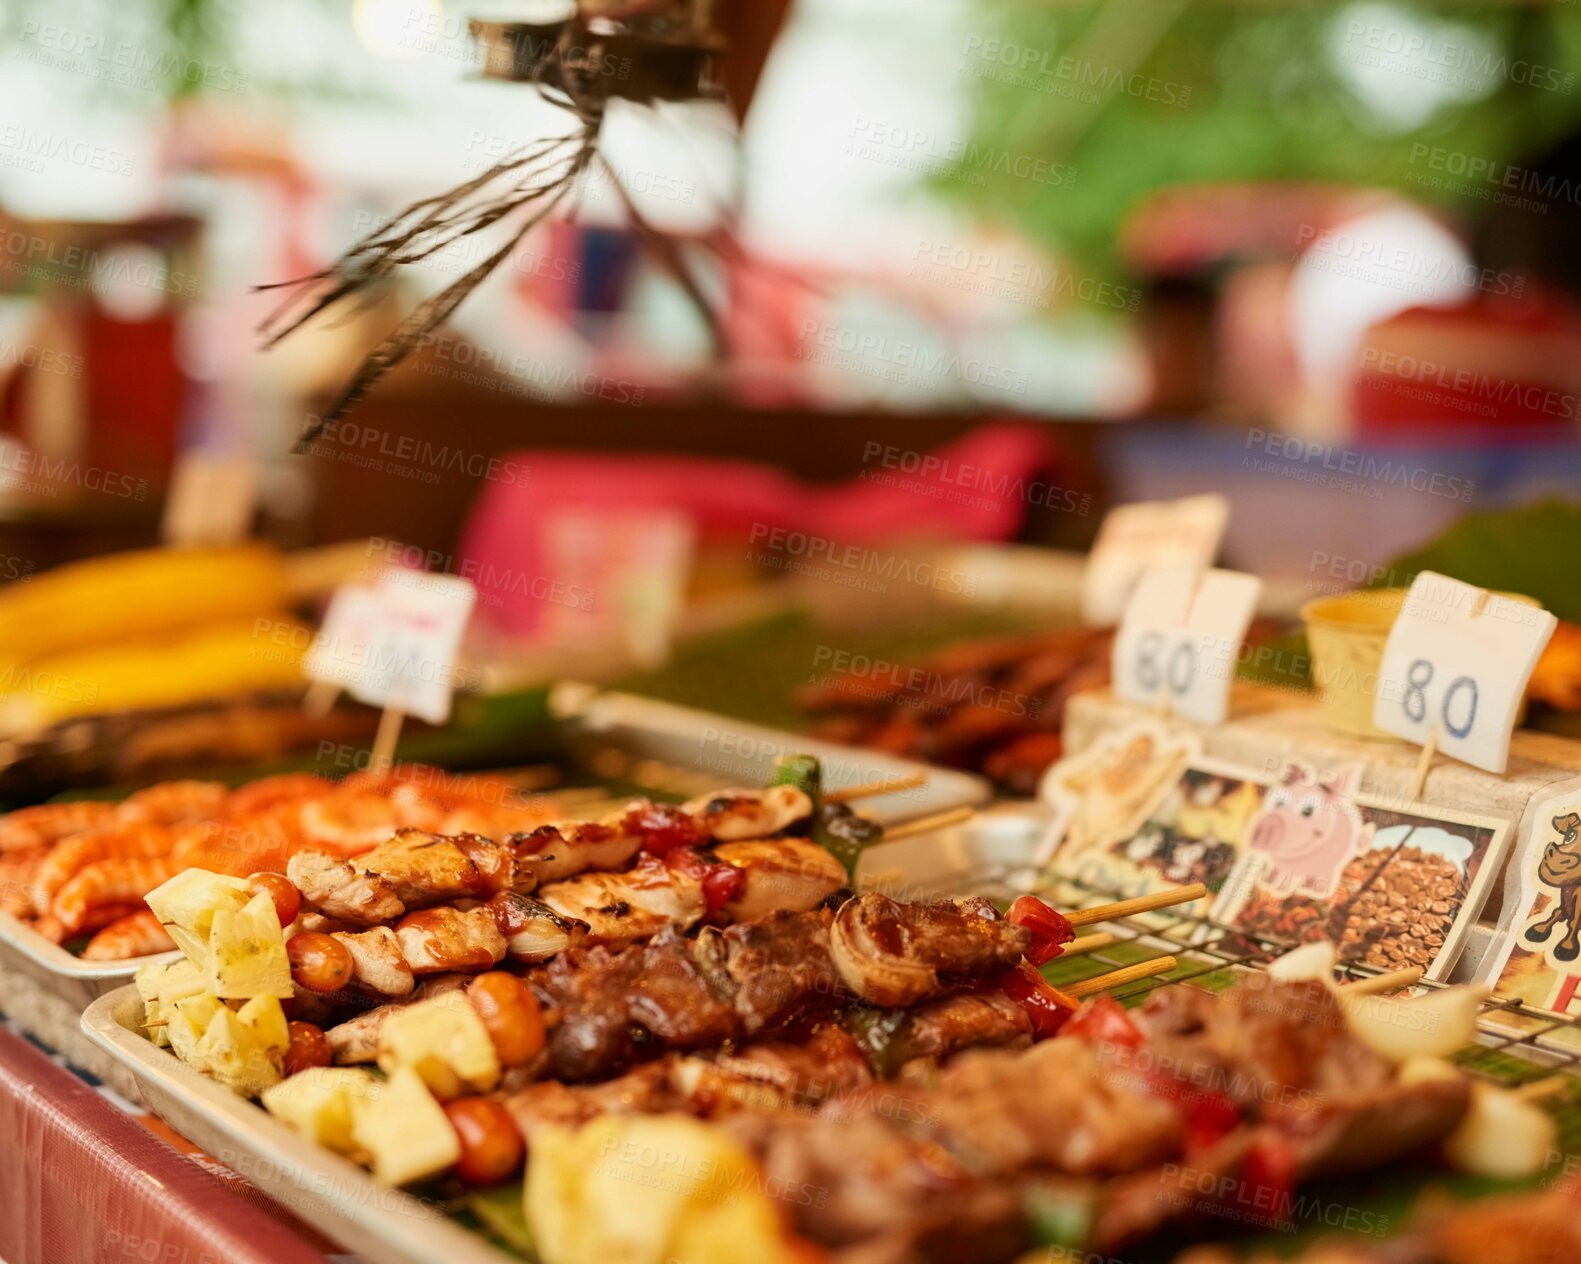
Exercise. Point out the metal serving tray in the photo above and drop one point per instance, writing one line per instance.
(329, 1192)
(26, 953)
(725, 751)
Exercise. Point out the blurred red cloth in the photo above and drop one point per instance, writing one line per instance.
(973, 489)
(83, 1183)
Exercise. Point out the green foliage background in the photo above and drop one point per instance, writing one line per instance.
(1268, 100)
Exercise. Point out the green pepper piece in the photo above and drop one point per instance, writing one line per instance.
(879, 1033)
(844, 834)
(802, 771)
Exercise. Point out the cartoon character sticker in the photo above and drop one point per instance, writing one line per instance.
(1103, 795)
(1308, 829)
(1559, 871)
(1388, 885)
(1537, 946)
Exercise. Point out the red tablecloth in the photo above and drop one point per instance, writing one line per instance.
(83, 1182)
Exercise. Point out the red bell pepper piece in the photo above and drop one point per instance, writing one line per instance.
(1050, 930)
(663, 827)
(1103, 1021)
(1045, 1004)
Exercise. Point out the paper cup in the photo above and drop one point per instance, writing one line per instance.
(1346, 635)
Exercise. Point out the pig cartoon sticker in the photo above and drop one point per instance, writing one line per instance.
(1306, 830)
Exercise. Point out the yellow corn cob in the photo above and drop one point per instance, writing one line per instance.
(137, 594)
(242, 656)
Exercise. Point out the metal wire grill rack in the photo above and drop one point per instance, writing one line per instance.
(1516, 1043)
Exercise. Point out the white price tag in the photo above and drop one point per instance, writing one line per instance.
(211, 500)
(411, 663)
(1455, 668)
(1135, 538)
(1180, 638)
(341, 650)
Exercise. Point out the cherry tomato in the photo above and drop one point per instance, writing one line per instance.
(319, 963)
(1045, 1004)
(721, 884)
(663, 827)
(491, 1147)
(309, 1048)
(1049, 928)
(511, 1013)
(1103, 1021)
(287, 899)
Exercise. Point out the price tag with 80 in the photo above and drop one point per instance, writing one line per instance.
(1455, 668)
(1180, 637)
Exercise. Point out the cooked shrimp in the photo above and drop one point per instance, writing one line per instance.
(239, 845)
(109, 882)
(174, 802)
(349, 821)
(737, 815)
(492, 820)
(135, 935)
(16, 880)
(116, 842)
(48, 823)
(272, 792)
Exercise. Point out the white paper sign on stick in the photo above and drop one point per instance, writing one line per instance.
(1180, 639)
(1134, 538)
(1455, 668)
(411, 664)
(344, 645)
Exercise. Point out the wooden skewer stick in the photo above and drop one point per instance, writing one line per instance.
(1393, 981)
(1423, 764)
(1548, 1086)
(923, 824)
(384, 740)
(1117, 978)
(1088, 943)
(872, 789)
(1141, 904)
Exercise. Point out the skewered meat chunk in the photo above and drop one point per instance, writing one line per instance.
(892, 954)
(357, 1039)
(593, 1035)
(443, 939)
(413, 870)
(377, 961)
(782, 873)
(533, 931)
(773, 963)
(554, 852)
(672, 998)
(620, 908)
(937, 1029)
(734, 815)
(340, 890)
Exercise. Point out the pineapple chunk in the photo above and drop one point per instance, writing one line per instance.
(247, 952)
(321, 1103)
(405, 1131)
(646, 1190)
(161, 986)
(264, 1018)
(189, 1021)
(193, 896)
(194, 949)
(230, 1053)
(445, 1042)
